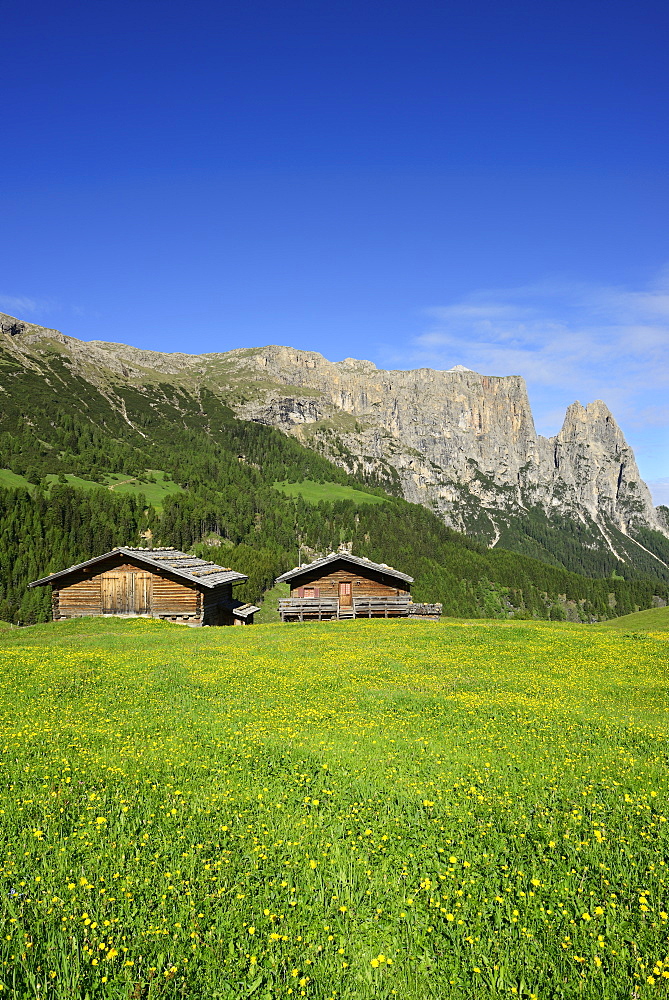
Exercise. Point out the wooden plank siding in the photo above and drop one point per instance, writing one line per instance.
(130, 590)
(372, 585)
(298, 609)
(126, 593)
(345, 592)
(386, 607)
(81, 598)
(213, 612)
(128, 583)
(175, 599)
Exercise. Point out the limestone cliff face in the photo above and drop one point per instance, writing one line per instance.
(461, 443)
(592, 457)
(437, 429)
(454, 437)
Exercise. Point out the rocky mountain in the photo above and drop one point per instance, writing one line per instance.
(460, 443)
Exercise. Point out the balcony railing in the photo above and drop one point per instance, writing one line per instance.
(327, 608)
(308, 608)
(381, 607)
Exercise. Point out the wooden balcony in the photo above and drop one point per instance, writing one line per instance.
(381, 607)
(300, 609)
(303, 609)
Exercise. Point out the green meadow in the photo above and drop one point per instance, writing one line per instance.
(652, 620)
(12, 480)
(314, 492)
(348, 810)
(153, 492)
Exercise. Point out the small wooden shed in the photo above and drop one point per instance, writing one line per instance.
(342, 585)
(155, 583)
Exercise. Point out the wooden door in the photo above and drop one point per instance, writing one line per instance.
(141, 598)
(125, 593)
(113, 593)
(345, 594)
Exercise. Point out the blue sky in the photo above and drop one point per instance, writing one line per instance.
(414, 183)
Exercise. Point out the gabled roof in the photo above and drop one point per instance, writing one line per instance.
(346, 557)
(190, 568)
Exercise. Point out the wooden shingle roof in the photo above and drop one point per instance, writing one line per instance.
(241, 610)
(191, 568)
(358, 561)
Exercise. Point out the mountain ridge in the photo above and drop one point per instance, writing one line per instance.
(461, 443)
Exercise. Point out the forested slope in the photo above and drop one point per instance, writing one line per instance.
(53, 424)
(45, 530)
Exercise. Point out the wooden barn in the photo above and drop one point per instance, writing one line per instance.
(342, 585)
(155, 583)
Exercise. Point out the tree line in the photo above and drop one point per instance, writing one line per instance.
(42, 531)
(53, 422)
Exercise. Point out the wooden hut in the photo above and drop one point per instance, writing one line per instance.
(156, 583)
(342, 585)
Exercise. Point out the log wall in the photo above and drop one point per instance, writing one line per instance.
(213, 613)
(81, 598)
(172, 598)
(126, 589)
(327, 584)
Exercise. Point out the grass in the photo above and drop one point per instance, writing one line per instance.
(269, 609)
(357, 810)
(76, 481)
(154, 493)
(653, 620)
(12, 480)
(316, 492)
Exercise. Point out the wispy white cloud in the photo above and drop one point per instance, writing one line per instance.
(485, 311)
(570, 341)
(597, 336)
(654, 416)
(28, 308)
(660, 491)
(42, 310)
(18, 304)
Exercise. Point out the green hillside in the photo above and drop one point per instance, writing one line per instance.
(154, 485)
(43, 530)
(576, 545)
(652, 620)
(329, 492)
(363, 810)
(13, 480)
(84, 458)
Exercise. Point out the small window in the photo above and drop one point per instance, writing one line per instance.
(309, 593)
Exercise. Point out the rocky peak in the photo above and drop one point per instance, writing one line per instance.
(457, 441)
(456, 432)
(592, 455)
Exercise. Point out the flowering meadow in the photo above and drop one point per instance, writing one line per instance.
(347, 810)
